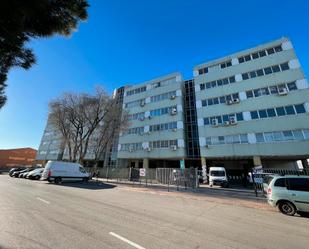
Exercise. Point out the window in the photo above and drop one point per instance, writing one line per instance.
(289, 110)
(208, 85)
(262, 53)
(275, 68)
(222, 99)
(271, 112)
(300, 108)
(241, 59)
(210, 102)
(221, 139)
(270, 51)
(254, 115)
(247, 57)
(273, 89)
(267, 70)
(284, 66)
(232, 79)
(306, 133)
(280, 111)
(204, 102)
(268, 136)
(243, 138)
(249, 94)
(264, 91)
(225, 81)
(245, 76)
(206, 121)
(229, 63)
(219, 82)
(288, 135)
(236, 139)
(298, 184)
(213, 84)
(259, 137)
(260, 72)
(277, 135)
(257, 92)
(255, 56)
(252, 74)
(202, 86)
(298, 135)
(262, 113)
(292, 86)
(280, 182)
(239, 116)
(278, 49)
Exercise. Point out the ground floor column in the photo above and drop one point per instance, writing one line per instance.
(204, 169)
(305, 164)
(257, 161)
(145, 163)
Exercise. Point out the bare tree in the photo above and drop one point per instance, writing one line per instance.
(77, 116)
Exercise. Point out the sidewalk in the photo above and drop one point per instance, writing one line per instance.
(203, 190)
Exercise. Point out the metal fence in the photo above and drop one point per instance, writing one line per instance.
(163, 176)
(262, 179)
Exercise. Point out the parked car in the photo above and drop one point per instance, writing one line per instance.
(15, 169)
(290, 194)
(35, 174)
(217, 176)
(21, 172)
(57, 172)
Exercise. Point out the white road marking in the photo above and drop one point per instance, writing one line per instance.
(47, 202)
(126, 240)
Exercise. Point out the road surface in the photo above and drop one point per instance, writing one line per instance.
(36, 214)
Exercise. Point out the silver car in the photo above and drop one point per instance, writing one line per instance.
(290, 194)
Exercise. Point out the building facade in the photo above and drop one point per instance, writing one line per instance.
(246, 109)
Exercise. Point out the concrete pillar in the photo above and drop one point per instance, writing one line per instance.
(305, 164)
(257, 161)
(145, 163)
(204, 169)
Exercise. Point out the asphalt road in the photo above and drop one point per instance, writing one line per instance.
(36, 214)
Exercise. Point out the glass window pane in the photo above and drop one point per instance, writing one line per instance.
(273, 89)
(284, 66)
(210, 102)
(260, 72)
(270, 51)
(262, 113)
(292, 86)
(265, 91)
(208, 85)
(262, 53)
(275, 68)
(249, 94)
(289, 110)
(229, 63)
(236, 139)
(247, 57)
(245, 76)
(259, 137)
(280, 111)
(219, 118)
(268, 136)
(254, 115)
(216, 101)
(255, 55)
(213, 84)
(300, 108)
(219, 82)
(243, 138)
(252, 74)
(223, 65)
(229, 139)
(267, 70)
(241, 59)
(225, 81)
(222, 99)
(206, 121)
(306, 133)
(287, 135)
(225, 118)
(278, 136)
(278, 49)
(298, 135)
(221, 139)
(257, 92)
(239, 116)
(204, 102)
(232, 79)
(271, 112)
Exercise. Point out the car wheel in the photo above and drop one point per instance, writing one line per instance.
(287, 208)
(37, 178)
(57, 180)
(85, 179)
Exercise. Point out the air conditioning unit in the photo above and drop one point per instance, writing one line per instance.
(175, 129)
(173, 97)
(214, 122)
(233, 121)
(174, 111)
(142, 103)
(148, 149)
(282, 91)
(142, 118)
(174, 147)
(229, 102)
(236, 100)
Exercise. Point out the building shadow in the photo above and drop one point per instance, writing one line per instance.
(91, 185)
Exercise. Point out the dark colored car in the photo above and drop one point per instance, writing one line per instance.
(17, 173)
(14, 170)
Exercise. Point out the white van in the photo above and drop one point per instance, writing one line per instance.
(217, 176)
(56, 171)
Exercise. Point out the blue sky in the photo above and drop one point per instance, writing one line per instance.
(131, 41)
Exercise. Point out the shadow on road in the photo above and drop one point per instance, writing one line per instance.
(92, 185)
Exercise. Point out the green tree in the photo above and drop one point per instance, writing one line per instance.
(23, 20)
